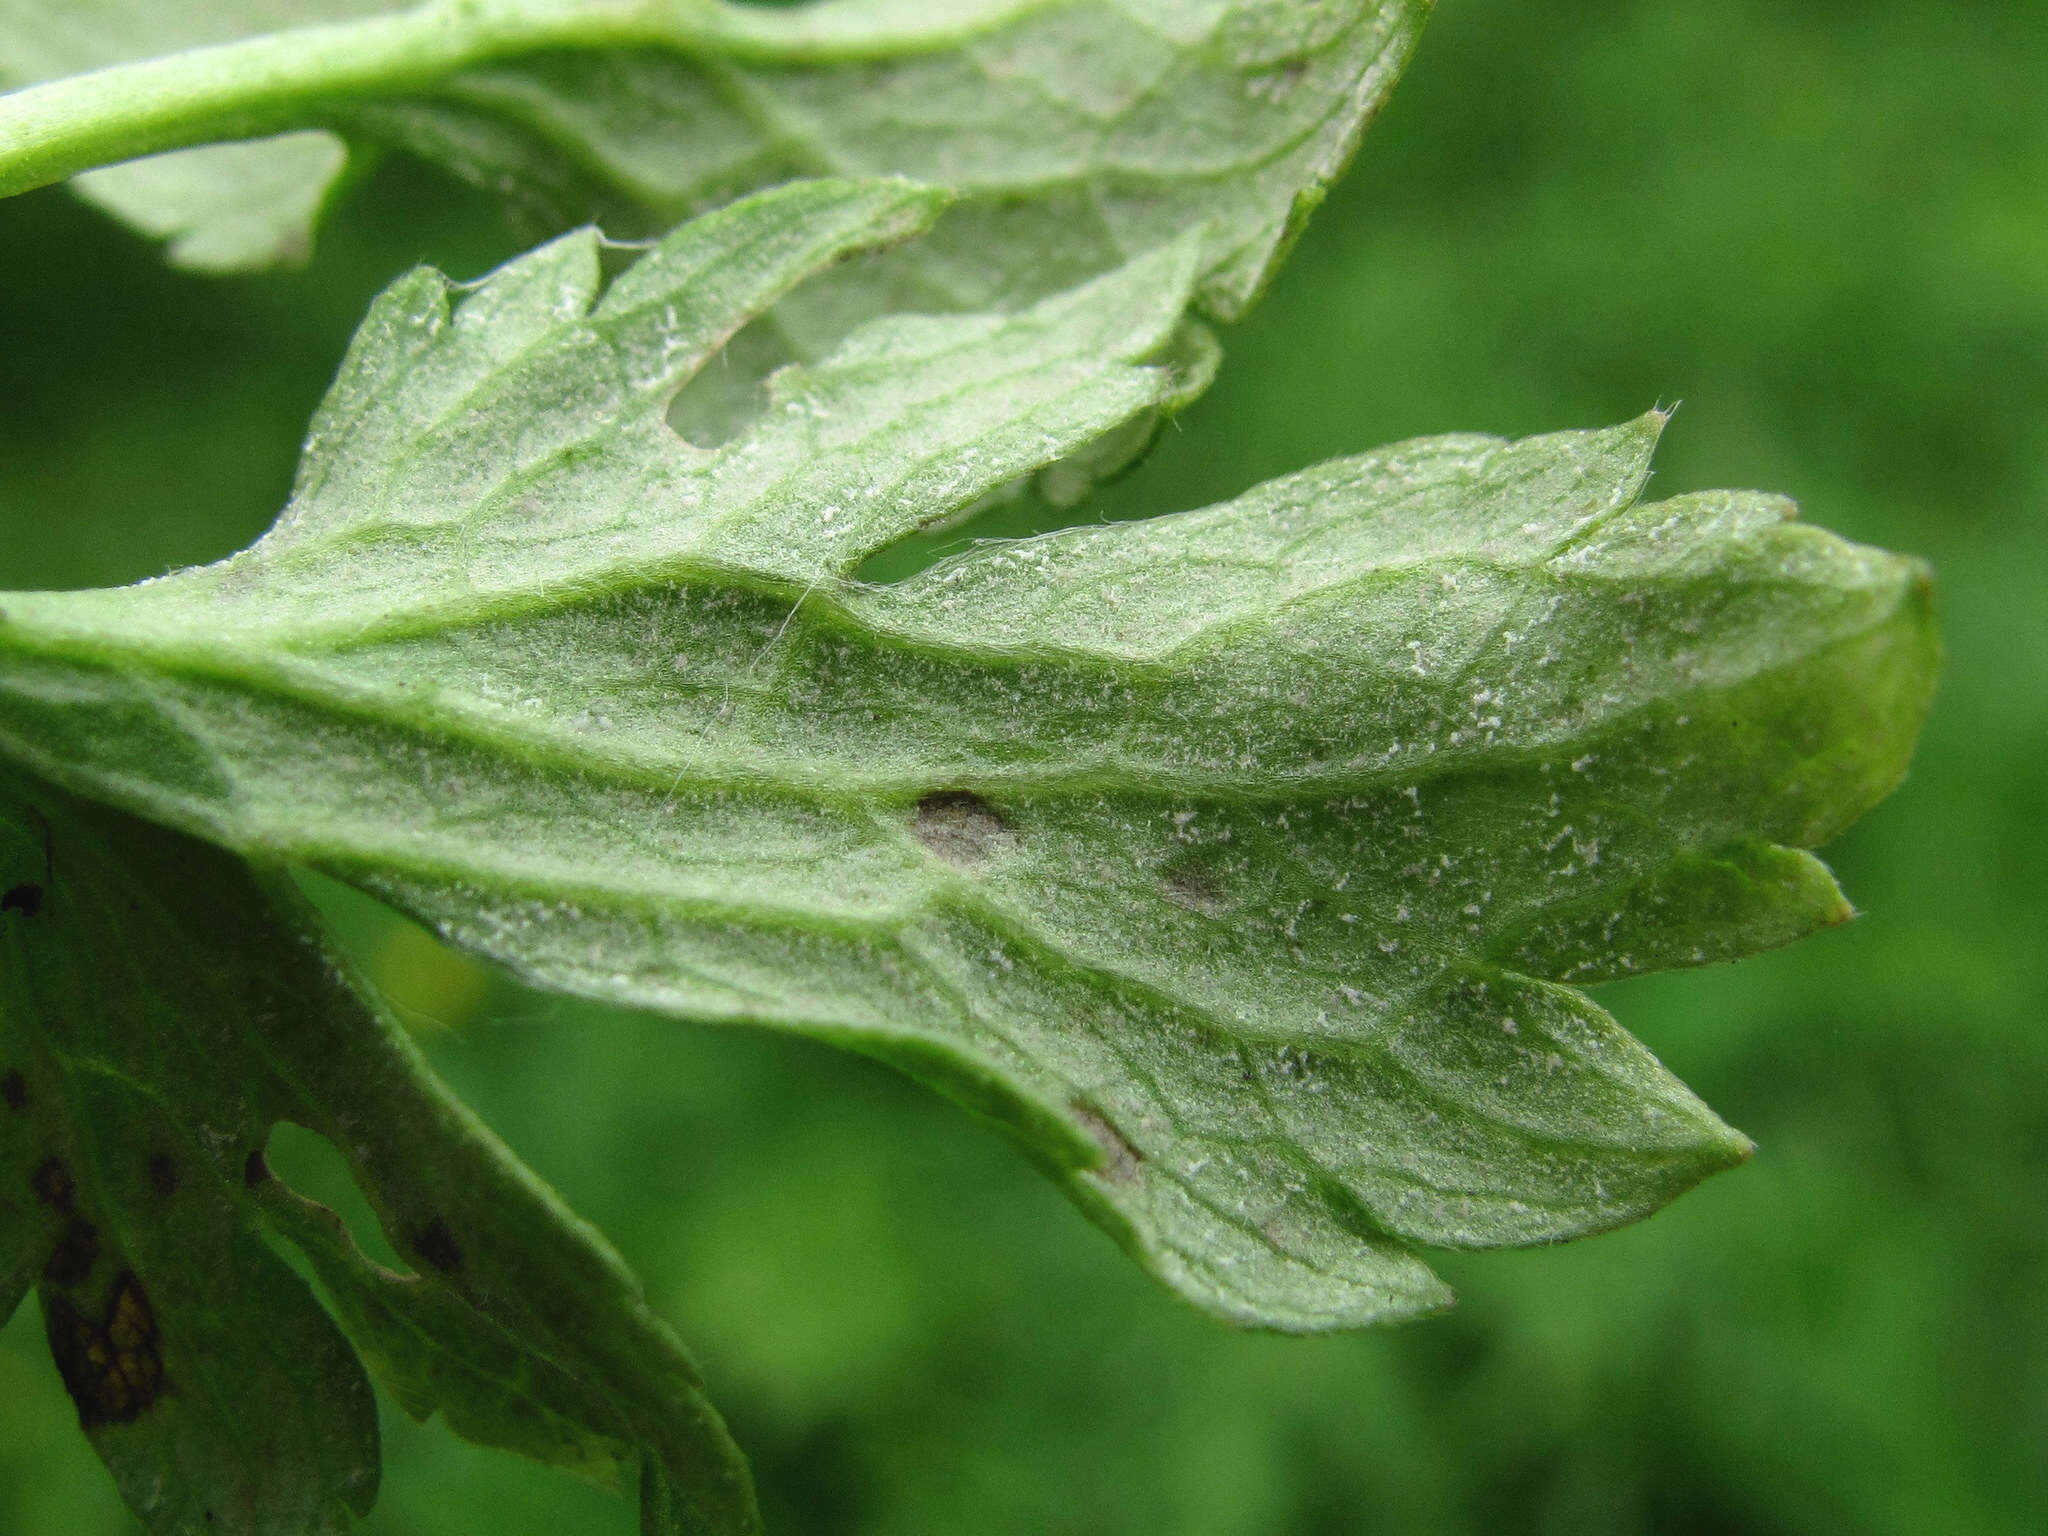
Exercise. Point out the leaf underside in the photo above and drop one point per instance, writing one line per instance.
(1238, 862)
(160, 1012)
(1079, 132)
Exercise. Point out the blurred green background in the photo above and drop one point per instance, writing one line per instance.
(1823, 227)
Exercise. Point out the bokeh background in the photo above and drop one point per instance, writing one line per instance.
(1822, 226)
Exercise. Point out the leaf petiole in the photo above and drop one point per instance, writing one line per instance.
(307, 76)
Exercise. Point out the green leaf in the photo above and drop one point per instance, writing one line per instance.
(160, 1011)
(1081, 132)
(1232, 861)
(223, 207)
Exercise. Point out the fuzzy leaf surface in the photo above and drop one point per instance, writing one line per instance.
(1080, 132)
(160, 1011)
(1236, 862)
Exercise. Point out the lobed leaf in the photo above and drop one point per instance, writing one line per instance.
(160, 1012)
(1081, 132)
(1235, 862)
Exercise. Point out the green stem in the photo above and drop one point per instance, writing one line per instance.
(274, 82)
(306, 76)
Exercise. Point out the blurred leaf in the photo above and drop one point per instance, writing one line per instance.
(227, 207)
(223, 207)
(1081, 131)
(159, 1012)
(1229, 860)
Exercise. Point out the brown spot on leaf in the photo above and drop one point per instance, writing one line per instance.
(14, 1092)
(959, 826)
(255, 1171)
(53, 1185)
(1121, 1161)
(1190, 886)
(163, 1176)
(113, 1367)
(436, 1244)
(25, 898)
(71, 1261)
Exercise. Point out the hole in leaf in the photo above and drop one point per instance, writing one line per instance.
(725, 397)
(314, 1167)
(1013, 511)
(1091, 485)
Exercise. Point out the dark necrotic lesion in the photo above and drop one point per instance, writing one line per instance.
(54, 1186)
(71, 1261)
(113, 1365)
(78, 1245)
(435, 1242)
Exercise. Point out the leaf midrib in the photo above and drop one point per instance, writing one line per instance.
(298, 681)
